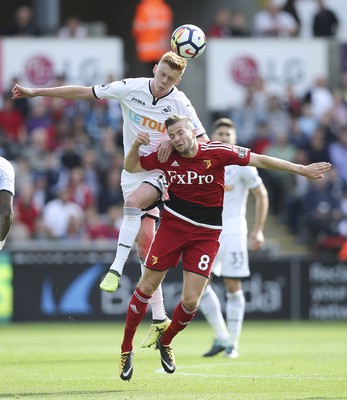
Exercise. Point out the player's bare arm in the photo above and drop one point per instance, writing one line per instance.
(66, 92)
(132, 160)
(311, 171)
(256, 238)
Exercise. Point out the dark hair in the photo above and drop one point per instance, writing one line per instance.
(223, 122)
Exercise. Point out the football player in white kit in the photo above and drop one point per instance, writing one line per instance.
(146, 103)
(7, 188)
(231, 262)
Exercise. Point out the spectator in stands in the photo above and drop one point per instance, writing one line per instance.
(307, 122)
(325, 22)
(271, 21)
(152, 29)
(338, 153)
(221, 26)
(320, 97)
(80, 192)
(339, 109)
(60, 216)
(110, 193)
(12, 122)
(290, 7)
(279, 185)
(103, 226)
(73, 28)
(321, 209)
(278, 118)
(26, 208)
(317, 146)
(23, 23)
(239, 25)
(294, 199)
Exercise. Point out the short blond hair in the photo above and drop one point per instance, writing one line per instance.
(174, 118)
(174, 61)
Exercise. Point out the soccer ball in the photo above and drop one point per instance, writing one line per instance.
(188, 41)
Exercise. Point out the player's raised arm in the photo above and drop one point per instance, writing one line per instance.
(312, 171)
(132, 160)
(66, 92)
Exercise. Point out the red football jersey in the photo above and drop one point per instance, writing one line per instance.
(196, 185)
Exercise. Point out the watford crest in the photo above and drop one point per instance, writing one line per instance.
(207, 163)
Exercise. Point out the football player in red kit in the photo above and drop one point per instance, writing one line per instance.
(191, 223)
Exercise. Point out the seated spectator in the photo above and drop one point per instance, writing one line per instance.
(278, 118)
(239, 25)
(338, 153)
(22, 24)
(104, 226)
(307, 122)
(27, 212)
(221, 26)
(339, 109)
(325, 22)
(62, 218)
(111, 192)
(262, 139)
(321, 209)
(279, 184)
(294, 199)
(290, 7)
(12, 122)
(273, 22)
(73, 28)
(320, 97)
(80, 192)
(317, 148)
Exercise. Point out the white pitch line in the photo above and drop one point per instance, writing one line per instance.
(285, 377)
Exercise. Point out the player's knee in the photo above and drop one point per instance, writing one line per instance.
(132, 202)
(190, 303)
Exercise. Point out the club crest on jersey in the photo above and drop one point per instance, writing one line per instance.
(167, 110)
(207, 163)
(154, 260)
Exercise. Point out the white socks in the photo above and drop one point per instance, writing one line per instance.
(211, 308)
(235, 311)
(156, 302)
(127, 235)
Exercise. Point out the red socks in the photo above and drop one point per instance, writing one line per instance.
(180, 319)
(136, 310)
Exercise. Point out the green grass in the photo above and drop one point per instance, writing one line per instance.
(278, 360)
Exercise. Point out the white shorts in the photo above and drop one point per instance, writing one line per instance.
(156, 178)
(232, 257)
(6, 176)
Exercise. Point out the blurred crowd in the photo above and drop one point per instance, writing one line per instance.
(68, 155)
(68, 158)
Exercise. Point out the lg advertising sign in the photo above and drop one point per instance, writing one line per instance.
(234, 64)
(36, 62)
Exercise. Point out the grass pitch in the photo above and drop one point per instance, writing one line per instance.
(278, 360)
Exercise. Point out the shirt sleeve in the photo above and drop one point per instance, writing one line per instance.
(113, 90)
(239, 156)
(150, 161)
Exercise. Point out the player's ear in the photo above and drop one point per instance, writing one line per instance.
(155, 69)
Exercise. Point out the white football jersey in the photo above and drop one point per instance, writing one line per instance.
(238, 180)
(144, 113)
